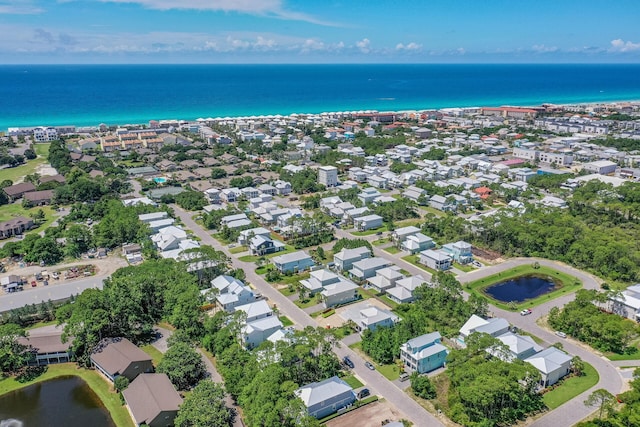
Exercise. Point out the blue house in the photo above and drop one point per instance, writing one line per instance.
(423, 354)
(460, 251)
(293, 262)
(326, 397)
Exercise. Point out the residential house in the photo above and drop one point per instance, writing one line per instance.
(115, 357)
(417, 243)
(372, 318)
(368, 195)
(255, 310)
(16, 191)
(245, 236)
(436, 259)
(400, 234)
(318, 279)
(424, 353)
(46, 347)
(552, 363)
(627, 303)
(460, 251)
(385, 278)
(367, 267)
(494, 326)
(15, 226)
(338, 293)
(345, 259)
(230, 195)
(368, 222)
(326, 397)
(442, 203)
(328, 176)
(226, 220)
(153, 216)
(518, 346)
(264, 245)
(256, 332)
(283, 187)
(293, 262)
(152, 400)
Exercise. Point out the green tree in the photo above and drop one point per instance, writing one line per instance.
(191, 200)
(422, 386)
(121, 383)
(217, 173)
(13, 355)
(601, 399)
(204, 407)
(183, 365)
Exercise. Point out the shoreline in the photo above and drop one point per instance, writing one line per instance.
(190, 117)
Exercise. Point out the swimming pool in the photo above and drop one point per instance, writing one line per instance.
(160, 180)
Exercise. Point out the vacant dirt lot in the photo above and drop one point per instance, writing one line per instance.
(371, 415)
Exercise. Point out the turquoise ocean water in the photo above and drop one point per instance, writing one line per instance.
(85, 95)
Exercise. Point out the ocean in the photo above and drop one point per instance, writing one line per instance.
(87, 95)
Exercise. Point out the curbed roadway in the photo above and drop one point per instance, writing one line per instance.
(374, 380)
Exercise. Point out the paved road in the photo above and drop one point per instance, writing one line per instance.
(52, 292)
(610, 379)
(374, 380)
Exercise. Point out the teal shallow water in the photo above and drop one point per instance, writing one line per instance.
(84, 95)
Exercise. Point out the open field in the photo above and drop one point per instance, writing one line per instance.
(31, 166)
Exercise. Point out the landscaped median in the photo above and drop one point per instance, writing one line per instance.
(565, 284)
(110, 399)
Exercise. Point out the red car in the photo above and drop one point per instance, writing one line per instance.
(33, 284)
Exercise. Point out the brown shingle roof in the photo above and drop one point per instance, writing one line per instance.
(116, 354)
(149, 395)
(50, 343)
(17, 189)
(15, 222)
(38, 196)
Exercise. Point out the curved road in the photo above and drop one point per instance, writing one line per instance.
(374, 380)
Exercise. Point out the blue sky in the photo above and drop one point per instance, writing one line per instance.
(319, 31)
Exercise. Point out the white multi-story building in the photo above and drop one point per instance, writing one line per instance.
(45, 134)
(328, 176)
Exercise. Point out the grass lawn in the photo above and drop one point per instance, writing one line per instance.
(286, 291)
(98, 384)
(41, 324)
(42, 149)
(13, 210)
(264, 269)
(307, 302)
(413, 259)
(615, 356)
(567, 284)
(392, 250)
(287, 249)
(369, 232)
(238, 249)
(155, 354)
(366, 293)
(390, 372)
(463, 267)
(410, 221)
(571, 387)
(19, 172)
(249, 258)
(353, 381)
(385, 299)
(380, 241)
(285, 321)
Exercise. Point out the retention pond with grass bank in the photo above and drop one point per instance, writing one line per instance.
(63, 401)
(522, 288)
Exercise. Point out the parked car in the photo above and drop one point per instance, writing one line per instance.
(404, 376)
(39, 276)
(45, 282)
(348, 362)
(55, 275)
(363, 393)
(561, 334)
(370, 366)
(526, 312)
(33, 284)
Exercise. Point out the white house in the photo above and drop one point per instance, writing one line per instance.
(340, 292)
(385, 278)
(254, 333)
(368, 222)
(367, 267)
(318, 279)
(328, 176)
(255, 310)
(373, 317)
(552, 363)
(435, 259)
(345, 259)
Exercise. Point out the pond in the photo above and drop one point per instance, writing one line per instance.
(521, 288)
(63, 401)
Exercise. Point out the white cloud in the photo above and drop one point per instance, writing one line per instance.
(19, 7)
(409, 47)
(269, 8)
(619, 45)
(364, 45)
(540, 48)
